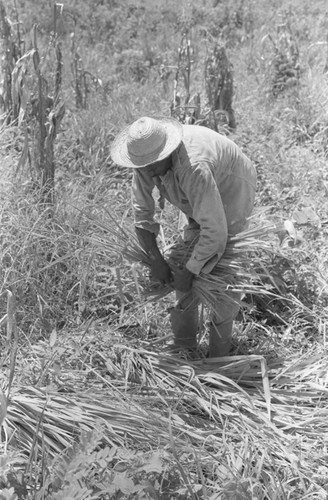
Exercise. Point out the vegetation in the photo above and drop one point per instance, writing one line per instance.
(92, 406)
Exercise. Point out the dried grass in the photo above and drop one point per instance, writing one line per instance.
(214, 414)
(243, 269)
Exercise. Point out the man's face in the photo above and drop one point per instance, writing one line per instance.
(159, 168)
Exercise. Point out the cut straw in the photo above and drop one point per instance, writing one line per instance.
(243, 269)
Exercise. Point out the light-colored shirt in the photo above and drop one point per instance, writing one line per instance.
(211, 181)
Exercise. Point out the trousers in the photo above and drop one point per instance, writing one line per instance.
(185, 315)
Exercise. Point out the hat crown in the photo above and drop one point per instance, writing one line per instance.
(146, 141)
(146, 137)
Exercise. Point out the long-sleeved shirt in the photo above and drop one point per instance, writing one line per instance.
(211, 181)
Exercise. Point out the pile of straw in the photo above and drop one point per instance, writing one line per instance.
(221, 415)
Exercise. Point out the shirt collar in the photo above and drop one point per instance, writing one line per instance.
(175, 163)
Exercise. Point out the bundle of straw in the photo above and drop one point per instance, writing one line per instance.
(243, 269)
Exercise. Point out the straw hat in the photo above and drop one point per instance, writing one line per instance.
(146, 141)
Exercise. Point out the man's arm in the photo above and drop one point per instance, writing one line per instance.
(143, 202)
(159, 267)
(146, 228)
(208, 211)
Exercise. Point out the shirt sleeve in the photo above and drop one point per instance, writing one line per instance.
(203, 195)
(143, 202)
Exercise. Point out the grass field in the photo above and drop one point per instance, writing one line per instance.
(92, 406)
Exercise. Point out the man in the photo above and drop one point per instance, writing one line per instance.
(213, 183)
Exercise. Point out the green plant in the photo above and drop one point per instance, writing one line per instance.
(91, 470)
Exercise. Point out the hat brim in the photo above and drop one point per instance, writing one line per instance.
(119, 149)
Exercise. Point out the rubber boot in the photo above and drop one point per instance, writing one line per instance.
(220, 336)
(184, 323)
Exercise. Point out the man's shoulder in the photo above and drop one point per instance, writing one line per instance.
(200, 136)
(207, 143)
(200, 144)
(190, 130)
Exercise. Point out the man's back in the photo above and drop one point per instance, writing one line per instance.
(222, 155)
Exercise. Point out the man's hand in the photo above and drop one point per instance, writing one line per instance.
(161, 271)
(183, 279)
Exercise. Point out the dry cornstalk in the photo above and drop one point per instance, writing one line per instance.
(10, 49)
(40, 113)
(219, 87)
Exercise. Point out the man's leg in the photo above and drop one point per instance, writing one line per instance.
(184, 321)
(220, 336)
(184, 316)
(220, 331)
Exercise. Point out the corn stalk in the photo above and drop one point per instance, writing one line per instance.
(285, 62)
(41, 111)
(10, 49)
(219, 87)
(49, 115)
(83, 80)
(186, 110)
(325, 69)
(80, 84)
